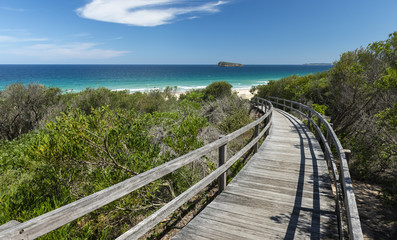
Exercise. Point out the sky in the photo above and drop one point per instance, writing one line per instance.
(189, 31)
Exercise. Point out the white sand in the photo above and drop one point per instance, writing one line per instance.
(244, 93)
(241, 92)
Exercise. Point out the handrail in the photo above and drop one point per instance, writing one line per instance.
(342, 180)
(52, 220)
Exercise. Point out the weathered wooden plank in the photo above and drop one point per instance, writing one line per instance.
(283, 184)
(193, 234)
(267, 211)
(305, 201)
(353, 219)
(274, 225)
(269, 189)
(264, 197)
(223, 214)
(9, 224)
(247, 223)
(227, 231)
(276, 220)
(288, 166)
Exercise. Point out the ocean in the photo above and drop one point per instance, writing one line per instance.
(146, 77)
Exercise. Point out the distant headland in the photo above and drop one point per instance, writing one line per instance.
(229, 64)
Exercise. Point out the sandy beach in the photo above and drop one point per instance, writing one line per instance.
(244, 93)
(241, 92)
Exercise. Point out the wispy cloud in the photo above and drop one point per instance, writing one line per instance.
(86, 50)
(82, 35)
(145, 12)
(12, 9)
(5, 38)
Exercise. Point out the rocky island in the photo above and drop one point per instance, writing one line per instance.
(229, 64)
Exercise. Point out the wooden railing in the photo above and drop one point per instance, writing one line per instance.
(345, 200)
(50, 221)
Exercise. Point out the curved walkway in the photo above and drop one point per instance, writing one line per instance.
(284, 192)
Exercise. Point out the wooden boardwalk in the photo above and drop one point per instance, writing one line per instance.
(284, 192)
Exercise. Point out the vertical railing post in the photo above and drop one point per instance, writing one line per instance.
(292, 106)
(256, 133)
(300, 110)
(267, 121)
(319, 126)
(347, 154)
(284, 105)
(341, 171)
(265, 103)
(222, 159)
(309, 117)
(329, 135)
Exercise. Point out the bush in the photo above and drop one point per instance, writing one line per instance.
(91, 145)
(23, 108)
(218, 89)
(305, 89)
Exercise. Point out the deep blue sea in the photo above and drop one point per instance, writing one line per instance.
(146, 77)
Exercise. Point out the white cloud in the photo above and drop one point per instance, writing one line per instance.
(4, 38)
(82, 35)
(144, 12)
(12, 9)
(66, 51)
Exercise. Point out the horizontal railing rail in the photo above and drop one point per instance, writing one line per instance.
(52, 220)
(345, 200)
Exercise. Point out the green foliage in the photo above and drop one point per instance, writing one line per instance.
(312, 87)
(97, 138)
(228, 113)
(146, 102)
(218, 89)
(319, 108)
(23, 108)
(359, 94)
(195, 95)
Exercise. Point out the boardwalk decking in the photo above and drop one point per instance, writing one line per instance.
(283, 192)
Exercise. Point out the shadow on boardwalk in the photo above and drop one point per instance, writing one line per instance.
(283, 192)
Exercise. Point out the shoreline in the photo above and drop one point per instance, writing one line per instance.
(244, 93)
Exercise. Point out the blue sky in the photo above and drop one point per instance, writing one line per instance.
(189, 31)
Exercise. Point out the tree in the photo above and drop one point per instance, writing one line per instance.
(23, 108)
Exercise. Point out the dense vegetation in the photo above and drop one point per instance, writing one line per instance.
(56, 148)
(360, 95)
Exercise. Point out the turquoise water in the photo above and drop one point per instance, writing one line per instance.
(146, 77)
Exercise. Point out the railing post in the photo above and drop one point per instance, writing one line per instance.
(309, 117)
(319, 127)
(266, 105)
(329, 136)
(266, 123)
(284, 105)
(347, 154)
(292, 106)
(222, 159)
(256, 133)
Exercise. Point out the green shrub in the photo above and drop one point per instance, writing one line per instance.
(23, 108)
(90, 145)
(218, 89)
